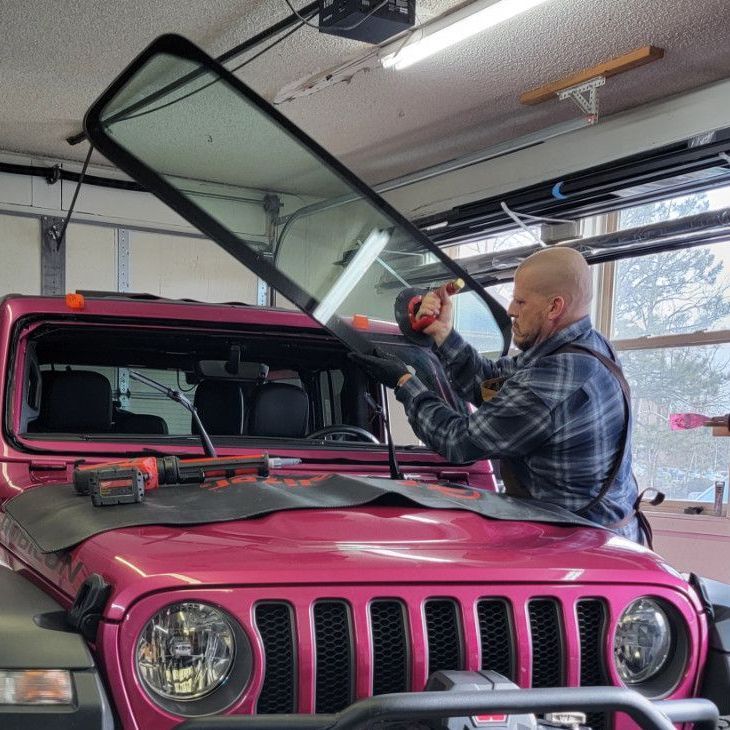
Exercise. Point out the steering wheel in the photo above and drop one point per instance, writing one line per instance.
(343, 432)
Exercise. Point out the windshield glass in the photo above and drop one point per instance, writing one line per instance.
(242, 174)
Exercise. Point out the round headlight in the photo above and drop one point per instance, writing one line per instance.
(642, 642)
(185, 651)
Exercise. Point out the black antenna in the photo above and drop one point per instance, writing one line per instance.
(395, 472)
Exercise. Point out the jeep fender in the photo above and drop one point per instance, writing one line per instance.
(34, 634)
(716, 597)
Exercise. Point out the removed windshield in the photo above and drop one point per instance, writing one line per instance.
(239, 171)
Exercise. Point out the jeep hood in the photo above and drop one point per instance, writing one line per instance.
(397, 545)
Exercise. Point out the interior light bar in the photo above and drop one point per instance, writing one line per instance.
(454, 28)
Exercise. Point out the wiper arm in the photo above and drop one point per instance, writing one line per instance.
(395, 472)
(176, 395)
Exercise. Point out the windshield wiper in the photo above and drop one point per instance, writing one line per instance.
(177, 396)
(395, 472)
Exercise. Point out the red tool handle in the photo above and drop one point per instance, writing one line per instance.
(420, 323)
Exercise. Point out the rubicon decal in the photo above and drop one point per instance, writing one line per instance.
(60, 562)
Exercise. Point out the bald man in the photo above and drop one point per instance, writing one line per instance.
(556, 415)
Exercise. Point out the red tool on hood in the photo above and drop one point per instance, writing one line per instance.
(406, 308)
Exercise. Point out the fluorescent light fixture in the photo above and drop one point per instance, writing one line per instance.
(365, 257)
(456, 27)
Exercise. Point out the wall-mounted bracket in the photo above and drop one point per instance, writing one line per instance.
(584, 95)
(53, 256)
(272, 208)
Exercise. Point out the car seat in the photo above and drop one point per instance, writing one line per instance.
(74, 401)
(278, 409)
(219, 404)
(145, 423)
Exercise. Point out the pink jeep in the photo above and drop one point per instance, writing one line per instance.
(349, 566)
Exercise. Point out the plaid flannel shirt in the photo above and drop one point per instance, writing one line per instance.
(557, 420)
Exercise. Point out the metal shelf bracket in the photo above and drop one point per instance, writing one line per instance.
(585, 95)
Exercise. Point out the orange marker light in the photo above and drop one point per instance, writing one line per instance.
(360, 322)
(75, 301)
(36, 687)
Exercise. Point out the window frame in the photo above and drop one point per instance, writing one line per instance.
(604, 323)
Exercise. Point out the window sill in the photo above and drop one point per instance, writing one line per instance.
(676, 523)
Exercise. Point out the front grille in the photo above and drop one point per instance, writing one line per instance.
(322, 654)
(390, 647)
(444, 643)
(495, 632)
(547, 643)
(274, 622)
(591, 614)
(334, 670)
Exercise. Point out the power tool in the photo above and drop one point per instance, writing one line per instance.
(125, 482)
(406, 307)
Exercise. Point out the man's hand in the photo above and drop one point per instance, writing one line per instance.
(437, 304)
(383, 367)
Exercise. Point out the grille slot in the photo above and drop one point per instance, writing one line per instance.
(547, 643)
(495, 630)
(334, 665)
(592, 619)
(275, 625)
(444, 636)
(390, 647)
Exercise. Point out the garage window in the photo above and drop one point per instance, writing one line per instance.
(670, 322)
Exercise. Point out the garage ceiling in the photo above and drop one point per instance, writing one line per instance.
(55, 58)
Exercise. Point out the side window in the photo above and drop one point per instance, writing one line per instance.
(330, 387)
(401, 430)
(33, 386)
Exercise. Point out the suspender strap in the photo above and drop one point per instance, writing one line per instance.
(644, 523)
(515, 488)
(626, 392)
(512, 484)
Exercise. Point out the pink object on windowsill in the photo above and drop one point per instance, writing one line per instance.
(684, 421)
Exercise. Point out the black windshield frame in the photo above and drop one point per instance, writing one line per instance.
(176, 46)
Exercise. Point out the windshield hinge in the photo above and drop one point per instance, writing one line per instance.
(88, 606)
(47, 466)
(451, 475)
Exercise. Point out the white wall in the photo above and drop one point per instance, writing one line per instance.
(694, 543)
(20, 255)
(91, 258)
(176, 267)
(167, 257)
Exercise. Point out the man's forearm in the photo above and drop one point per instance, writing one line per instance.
(440, 337)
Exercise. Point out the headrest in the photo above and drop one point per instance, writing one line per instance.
(126, 422)
(278, 409)
(76, 401)
(220, 406)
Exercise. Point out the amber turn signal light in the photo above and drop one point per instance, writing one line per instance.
(75, 301)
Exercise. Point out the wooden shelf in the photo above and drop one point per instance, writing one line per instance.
(633, 59)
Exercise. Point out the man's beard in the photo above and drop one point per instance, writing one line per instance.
(524, 343)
